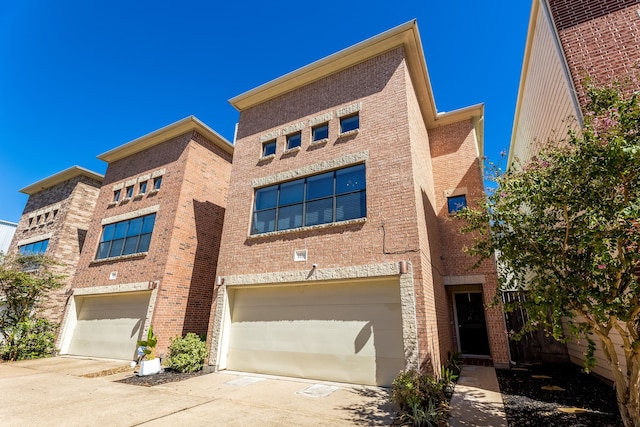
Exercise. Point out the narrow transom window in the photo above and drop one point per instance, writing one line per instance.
(320, 132)
(143, 187)
(269, 148)
(157, 182)
(294, 140)
(456, 203)
(349, 123)
(35, 248)
(329, 197)
(126, 237)
(116, 195)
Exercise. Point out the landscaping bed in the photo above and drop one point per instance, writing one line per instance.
(166, 376)
(528, 404)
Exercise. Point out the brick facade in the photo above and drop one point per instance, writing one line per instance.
(599, 39)
(409, 163)
(189, 206)
(60, 213)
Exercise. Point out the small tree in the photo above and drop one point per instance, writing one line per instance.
(566, 226)
(25, 280)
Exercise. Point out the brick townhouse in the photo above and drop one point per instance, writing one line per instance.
(568, 40)
(339, 257)
(152, 244)
(55, 222)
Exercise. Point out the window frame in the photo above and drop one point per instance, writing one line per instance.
(310, 207)
(23, 251)
(116, 195)
(122, 233)
(345, 119)
(142, 188)
(157, 183)
(128, 192)
(269, 143)
(324, 125)
(290, 137)
(452, 207)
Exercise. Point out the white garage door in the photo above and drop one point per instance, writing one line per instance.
(109, 325)
(346, 332)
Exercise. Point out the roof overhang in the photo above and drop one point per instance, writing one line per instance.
(166, 133)
(406, 36)
(60, 177)
(474, 113)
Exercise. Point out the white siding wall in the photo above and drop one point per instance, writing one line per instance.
(577, 350)
(545, 100)
(7, 230)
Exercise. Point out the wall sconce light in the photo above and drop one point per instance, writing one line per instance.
(404, 267)
(219, 280)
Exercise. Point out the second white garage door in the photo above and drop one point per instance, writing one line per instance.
(109, 325)
(347, 332)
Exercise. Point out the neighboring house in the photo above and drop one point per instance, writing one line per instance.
(567, 41)
(152, 245)
(7, 230)
(340, 259)
(55, 222)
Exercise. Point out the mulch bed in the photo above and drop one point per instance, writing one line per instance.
(527, 404)
(164, 377)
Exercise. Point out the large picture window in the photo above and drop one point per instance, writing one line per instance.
(126, 237)
(35, 248)
(320, 199)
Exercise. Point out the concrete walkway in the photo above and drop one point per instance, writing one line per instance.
(476, 400)
(61, 392)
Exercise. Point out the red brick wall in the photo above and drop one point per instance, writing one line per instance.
(600, 38)
(436, 339)
(76, 199)
(455, 165)
(193, 251)
(379, 84)
(182, 253)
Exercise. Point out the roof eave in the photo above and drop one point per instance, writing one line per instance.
(405, 35)
(166, 133)
(474, 113)
(533, 18)
(60, 177)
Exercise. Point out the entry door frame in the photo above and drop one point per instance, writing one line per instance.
(457, 324)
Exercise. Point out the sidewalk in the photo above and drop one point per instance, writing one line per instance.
(476, 400)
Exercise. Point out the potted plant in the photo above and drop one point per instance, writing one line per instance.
(149, 363)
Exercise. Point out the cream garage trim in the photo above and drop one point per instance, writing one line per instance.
(109, 325)
(346, 332)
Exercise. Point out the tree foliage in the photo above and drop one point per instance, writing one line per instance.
(25, 281)
(566, 228)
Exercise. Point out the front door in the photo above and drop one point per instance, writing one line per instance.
(472, 328)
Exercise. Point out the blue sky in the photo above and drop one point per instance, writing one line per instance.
(78, 78)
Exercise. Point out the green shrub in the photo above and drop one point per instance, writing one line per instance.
(30, 339)
(420, 397)
(454, 362)
(186, 354)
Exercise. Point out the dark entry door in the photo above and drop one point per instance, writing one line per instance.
(472, 328)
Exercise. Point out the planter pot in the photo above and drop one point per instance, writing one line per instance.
(149, 367)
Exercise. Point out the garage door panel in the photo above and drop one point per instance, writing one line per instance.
(109, 325)
(308, 295)
(325, 311)
(313, 336)
(328, 367)
(336, 332)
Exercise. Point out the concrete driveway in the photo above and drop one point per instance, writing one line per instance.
(81, 392)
